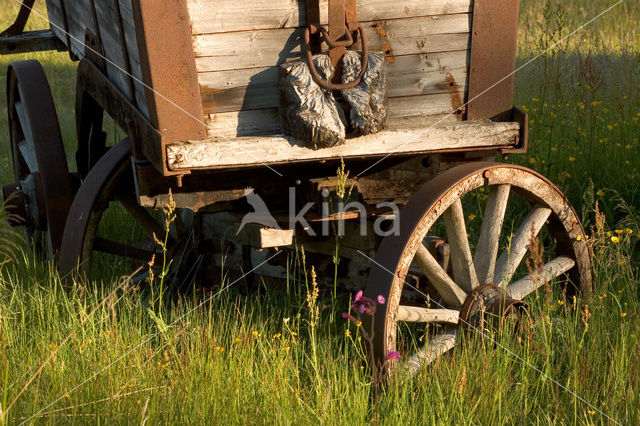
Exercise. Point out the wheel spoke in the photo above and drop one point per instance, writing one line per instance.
(448, 289)
(527, 285)
(418, 314)
(141, 215)
(463, 270)
(116, 248)
(437, 346)
(487, 249)
(510, 259)
(29, 155)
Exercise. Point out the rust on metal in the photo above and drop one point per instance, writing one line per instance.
(491, 300)
(337, 29)
(493, 58)
(386, 44)
(521, 117)
(169, 68)
(456, 100)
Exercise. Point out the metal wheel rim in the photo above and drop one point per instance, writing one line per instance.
(31, 112)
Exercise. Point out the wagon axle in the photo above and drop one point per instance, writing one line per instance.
(490, 305)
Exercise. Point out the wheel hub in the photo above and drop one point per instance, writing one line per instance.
(489, 305)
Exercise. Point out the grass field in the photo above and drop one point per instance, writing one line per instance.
(264, 358)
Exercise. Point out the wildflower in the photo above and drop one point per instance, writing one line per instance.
(627, 146)
(67, 396)
(554, 149)
(277, 336)
(560, 302)
(472, 216)
(602, 296)
(535, 99)
(592, 412)
(610, 127)
(578, 238)
(615, 239)
(572, 158)
(286, 348)
(381, 299)
(619, 231)
(358, 296)
(293, 333)
(623, 314)
(347, 333)
(601, 140)
(532, 160)
(285, 320)
(392, 355)
(600, 193)
(358, 323)
(219, 349)
(256, 333)
(629, 231)
(237, 340)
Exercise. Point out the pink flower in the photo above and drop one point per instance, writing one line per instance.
(361, 309)
(392, 355)
(358, 296)
(381, 299)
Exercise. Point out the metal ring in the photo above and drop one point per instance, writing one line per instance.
(314, 73)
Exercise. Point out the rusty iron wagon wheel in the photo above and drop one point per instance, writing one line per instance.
(40, 197)
(108, 230)
(432, 294)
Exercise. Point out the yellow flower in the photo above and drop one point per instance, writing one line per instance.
(219, 349)
(628, 231)
(619, 231)
(623, 314)
(610, 127)
(572, 158)
(535, 99)
(600, 193)
(237, 340)
(592, 412)
(532, 160)
(578, 238)
(277, 336)
(627, 146)
(472, 216)
(560, 302)
(615, 239)
(286, 348)
(554, 149)
(293, 333)
(347, 333)
(359, 323)
(256, 333)
(602, 296)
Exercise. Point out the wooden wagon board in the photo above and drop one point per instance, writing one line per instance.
(218, 153)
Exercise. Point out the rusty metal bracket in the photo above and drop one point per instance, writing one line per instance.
(342, 23)
(493, 58)
(519, 116)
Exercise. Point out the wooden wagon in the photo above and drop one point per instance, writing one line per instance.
(194, 85)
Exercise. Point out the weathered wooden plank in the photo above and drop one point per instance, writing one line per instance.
(412, 75)
(488, 243)
(264, 48)
(30, 41)
(217, 16)
(241, 152)
(437, 346)
(406, 112)
(418, 314)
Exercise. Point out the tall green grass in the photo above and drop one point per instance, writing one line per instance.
(248, 358)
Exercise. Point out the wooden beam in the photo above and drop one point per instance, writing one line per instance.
(527, 285)
(451, 294)
(418, 314)
(488, 244)
(252, 151)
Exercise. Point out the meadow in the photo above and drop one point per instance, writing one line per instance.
(267, 357)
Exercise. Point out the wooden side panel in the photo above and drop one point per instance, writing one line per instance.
(78, 17)
(219, 16)
(239, 45)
